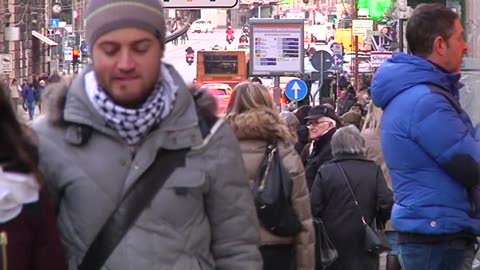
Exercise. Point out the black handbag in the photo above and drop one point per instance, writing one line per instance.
(375, 240)
(325, 251)
(272, 192)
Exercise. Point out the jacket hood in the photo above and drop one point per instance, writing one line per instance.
(55, 96)
(403, 71)
(260, 124)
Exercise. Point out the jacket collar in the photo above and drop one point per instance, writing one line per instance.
(348, 157)
(325, 138)
(452, 79)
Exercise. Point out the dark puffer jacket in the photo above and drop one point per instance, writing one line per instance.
(334, 204)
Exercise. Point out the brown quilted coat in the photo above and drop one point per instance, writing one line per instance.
(255, 130)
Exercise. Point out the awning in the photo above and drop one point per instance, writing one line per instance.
(44, 38)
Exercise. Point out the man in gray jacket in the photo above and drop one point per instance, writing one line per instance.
(104, 131)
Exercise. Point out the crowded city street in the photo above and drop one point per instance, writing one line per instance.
(239, 135)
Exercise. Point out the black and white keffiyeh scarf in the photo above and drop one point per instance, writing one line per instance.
(133, 124)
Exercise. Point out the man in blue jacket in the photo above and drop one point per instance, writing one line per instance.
(429, 144)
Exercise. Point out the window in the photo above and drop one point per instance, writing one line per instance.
(221, 64)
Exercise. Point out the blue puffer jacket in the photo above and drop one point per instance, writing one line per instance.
(422, 134)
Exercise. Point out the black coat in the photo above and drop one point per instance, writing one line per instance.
(303, 138)
(332, 202)
(322, 152)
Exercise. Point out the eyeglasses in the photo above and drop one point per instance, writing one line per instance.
(316, 123)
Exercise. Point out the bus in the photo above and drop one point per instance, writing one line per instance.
(229, 67)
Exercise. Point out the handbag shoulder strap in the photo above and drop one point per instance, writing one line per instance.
(263, 168)
(134, 202)
(351, 192)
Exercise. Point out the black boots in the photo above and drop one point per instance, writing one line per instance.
(393, 263)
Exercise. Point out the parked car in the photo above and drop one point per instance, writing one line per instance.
(221, 92)
(201, 26)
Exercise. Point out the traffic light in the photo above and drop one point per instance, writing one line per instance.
(332, 18)
(75, 55)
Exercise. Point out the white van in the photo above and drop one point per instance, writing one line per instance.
(319, 33)
(201, 26)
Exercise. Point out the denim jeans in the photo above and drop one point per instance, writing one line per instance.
(392, 237)
(455, 254)
(31, 109)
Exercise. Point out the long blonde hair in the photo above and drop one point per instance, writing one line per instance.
(249, 96)
(373, 118)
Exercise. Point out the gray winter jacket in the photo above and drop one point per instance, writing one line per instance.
(211, 224)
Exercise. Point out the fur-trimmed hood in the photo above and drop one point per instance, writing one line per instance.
(260, 124)
(55, 96)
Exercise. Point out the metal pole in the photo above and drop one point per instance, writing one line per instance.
(277, 93)
(73, 24)
(320, 83)
(355, 47)
(259, 10)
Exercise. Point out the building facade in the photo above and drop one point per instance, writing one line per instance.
(22, 30)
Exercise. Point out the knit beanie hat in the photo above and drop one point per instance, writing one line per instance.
(103, 16)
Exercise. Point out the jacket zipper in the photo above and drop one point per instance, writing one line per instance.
(4, 243)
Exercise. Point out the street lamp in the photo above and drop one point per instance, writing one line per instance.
(7, 18)
(34, 18)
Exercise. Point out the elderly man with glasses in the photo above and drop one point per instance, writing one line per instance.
(322, 122)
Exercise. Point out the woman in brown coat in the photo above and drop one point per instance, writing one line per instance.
(256, 124)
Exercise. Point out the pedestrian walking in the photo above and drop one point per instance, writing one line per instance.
(128, 136)
(429, 144)
(183, 38)
(40, 90)
(29, 238)
(334, 204)
(302, 131)
(292, 123)
(322, 124)
(251, 113)
(55, 77)
(29, 95)
(15, 93)
(346, 100)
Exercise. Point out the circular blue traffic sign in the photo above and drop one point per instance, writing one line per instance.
(336, 48)
(296, 90)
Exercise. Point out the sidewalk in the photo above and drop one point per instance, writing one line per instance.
(24, 117)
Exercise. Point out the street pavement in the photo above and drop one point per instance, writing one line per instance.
(24, 117)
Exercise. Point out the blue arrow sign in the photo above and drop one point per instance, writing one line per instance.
(338, 59)
(296, 90)
(54, 23)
